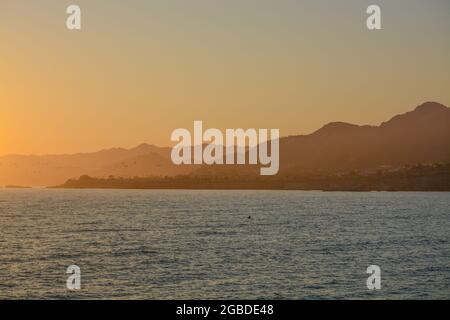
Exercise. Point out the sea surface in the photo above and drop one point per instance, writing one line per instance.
(179, 244)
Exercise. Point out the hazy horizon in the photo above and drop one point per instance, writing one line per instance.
(137, 71)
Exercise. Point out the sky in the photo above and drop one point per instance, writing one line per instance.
(140, 69)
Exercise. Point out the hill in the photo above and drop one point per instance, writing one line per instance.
(421, 136)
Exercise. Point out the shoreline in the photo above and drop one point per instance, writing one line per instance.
(237, 189)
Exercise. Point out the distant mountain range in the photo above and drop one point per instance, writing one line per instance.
(419, 136)
(50, 169)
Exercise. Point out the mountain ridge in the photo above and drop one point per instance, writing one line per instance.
(406, 138)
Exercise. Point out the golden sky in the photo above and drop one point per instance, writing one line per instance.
(140, 69)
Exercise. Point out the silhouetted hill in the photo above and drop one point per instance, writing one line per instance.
(420, 136)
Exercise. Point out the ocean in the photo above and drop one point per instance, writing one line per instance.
(191, 244)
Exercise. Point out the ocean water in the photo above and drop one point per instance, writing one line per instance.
(179, 244)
